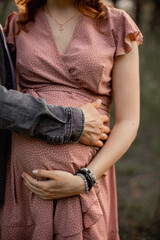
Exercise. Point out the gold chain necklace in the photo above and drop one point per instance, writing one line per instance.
(60, 24)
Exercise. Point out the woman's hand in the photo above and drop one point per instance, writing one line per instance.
(61, 184)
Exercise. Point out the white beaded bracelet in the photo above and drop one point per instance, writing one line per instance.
(85, 181)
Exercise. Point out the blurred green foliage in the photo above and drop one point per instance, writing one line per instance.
(138, 177)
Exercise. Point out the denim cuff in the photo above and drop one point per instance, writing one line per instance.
(75, 125)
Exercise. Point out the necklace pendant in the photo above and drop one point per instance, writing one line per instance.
(61, 28)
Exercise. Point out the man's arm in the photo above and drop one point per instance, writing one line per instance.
(26, 115)
(29, 116)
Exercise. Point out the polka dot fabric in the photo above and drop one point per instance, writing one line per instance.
(81, 74)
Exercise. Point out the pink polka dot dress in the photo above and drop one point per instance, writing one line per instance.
(80, 75)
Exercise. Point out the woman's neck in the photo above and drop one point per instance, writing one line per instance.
(60, 4)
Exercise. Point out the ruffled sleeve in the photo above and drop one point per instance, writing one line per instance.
(126, 31)
(10, 29)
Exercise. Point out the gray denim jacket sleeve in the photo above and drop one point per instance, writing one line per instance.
(26, 115)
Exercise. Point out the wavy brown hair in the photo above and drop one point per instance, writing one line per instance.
(92, 8)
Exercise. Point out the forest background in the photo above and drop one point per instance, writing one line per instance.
(138, 171)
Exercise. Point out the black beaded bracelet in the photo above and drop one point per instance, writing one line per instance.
(90, 177)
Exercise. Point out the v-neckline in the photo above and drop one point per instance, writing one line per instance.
(52, 36)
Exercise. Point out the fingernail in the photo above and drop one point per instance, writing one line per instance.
(22, 175)
(98, 100)
(35, 171)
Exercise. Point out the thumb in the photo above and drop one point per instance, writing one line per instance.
(97, 103)
(43, 173)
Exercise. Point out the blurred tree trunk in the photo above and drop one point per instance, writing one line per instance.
(139, 5)
(155, 16)
(114, 2)
(3, 9)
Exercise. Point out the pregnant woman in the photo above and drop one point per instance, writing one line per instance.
(69, 52)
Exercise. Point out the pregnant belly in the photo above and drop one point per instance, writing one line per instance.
(31, 153)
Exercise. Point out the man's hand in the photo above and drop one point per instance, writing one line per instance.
(95, 132)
